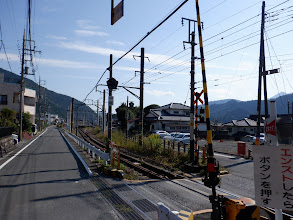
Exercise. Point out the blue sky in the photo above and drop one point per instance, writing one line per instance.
(76, 39)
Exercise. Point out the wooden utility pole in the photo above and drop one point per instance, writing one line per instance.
(21, 89)
(127, 117)
(104, 119)
(141, 113)
(39, 104)
(98, 117)
(72, 112)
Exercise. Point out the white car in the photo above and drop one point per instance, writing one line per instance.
(161, 133)
(262, 139)
(170, 136)
(182, 136)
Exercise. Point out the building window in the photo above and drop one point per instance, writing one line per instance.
(3, 99)
(16, 98)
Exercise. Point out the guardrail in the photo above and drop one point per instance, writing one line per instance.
(90, 148)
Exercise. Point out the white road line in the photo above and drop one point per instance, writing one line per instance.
(223, 155)
(4, 164)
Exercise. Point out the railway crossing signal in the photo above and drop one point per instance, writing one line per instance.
(112, 83)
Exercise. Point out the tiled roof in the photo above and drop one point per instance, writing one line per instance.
(176, 106)
(246, 122)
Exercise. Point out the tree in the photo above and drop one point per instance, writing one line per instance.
(7, 117)
(147, 124)
(121, 114)
(26, 124)
(149, 107)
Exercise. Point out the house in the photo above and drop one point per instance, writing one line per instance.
(10, 98)
(174, 117)
(243, 127)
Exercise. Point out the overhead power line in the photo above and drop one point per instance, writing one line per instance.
(156, 27)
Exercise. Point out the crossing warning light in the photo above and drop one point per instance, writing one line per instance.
(112, 83)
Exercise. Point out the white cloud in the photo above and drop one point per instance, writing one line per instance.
(115, 43)
(87, 25)
(154, 58)
(56, 37)
(91, 49)
(67, 64)
(80, 77)
(11, 57)
(89, 33)
(160, 93)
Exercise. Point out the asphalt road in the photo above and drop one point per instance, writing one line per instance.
(46, 181)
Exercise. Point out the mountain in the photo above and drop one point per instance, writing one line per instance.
(56, 103)
(236, 110)
(223, 101)
(278, 95)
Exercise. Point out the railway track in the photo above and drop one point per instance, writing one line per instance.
(138, 164)
(156, 172)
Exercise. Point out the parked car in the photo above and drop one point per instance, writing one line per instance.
(185, 140)
(170, 136)
(182, 136)
(160, 133)
(262, 139)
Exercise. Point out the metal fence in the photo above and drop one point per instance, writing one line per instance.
(90, 149)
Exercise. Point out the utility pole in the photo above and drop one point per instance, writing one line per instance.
(109, 104)
(98, 117)
(192, 99)
(193, 123)
(76, 121)
(104, 120)
(72, 111)
(39, 104)
(261, 71)
(141, 95)
(21, 88)
(127, 117)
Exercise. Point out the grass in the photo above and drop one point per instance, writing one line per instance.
(152, 149)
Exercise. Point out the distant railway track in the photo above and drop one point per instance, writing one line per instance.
(156, 172)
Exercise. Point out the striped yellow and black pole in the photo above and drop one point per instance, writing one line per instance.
(211, 179)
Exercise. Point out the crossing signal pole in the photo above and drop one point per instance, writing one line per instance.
(211, 178)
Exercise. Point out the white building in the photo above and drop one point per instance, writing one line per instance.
(243, 127)
(174, 117)
(10, 98)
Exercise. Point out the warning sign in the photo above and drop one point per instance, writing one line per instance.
(273, 176)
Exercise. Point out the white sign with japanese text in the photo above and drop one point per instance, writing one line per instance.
(273, 176)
